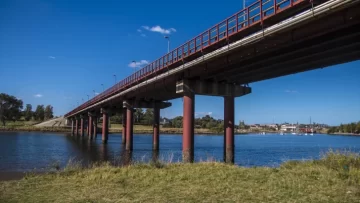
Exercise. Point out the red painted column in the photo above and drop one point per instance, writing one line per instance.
(156, 129)
(90, 128)
(123, 139)
(188, 128)
(77, 127)
(82, 126)
(105, 126)
(129, 129)
(95, 127)
(229, 129)
(72, 127)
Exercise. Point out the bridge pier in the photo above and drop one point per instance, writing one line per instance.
(82, 126)
(129, 128)
(72, 127)
(227, 90)
(90, 126)
(229, 129)
(95, 127)
(76, 126)
(105, 125)
(156, 129)
(123, 138)
(188, 127)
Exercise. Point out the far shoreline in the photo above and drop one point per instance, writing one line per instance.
(172, 131)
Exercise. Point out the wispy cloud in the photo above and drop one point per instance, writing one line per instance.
(201, 114)
(52, 57)
(143, 35)
(139, 30)
(96, 93)
(291, 91)
(38, 95)
(159, 29)
(138, 64)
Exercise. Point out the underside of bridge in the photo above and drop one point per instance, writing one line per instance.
(323, 40)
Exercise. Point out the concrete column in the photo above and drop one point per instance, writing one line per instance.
(76, 126)
(123, 140)
(82, 126)
(105, 125)
(90, 127)
(188, 127)
(94, 127)
(72, 127)
(156, 129)
(129, 128)
(229, 129)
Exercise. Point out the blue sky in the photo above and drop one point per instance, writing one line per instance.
(58, 52)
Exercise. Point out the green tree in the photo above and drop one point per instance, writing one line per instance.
(28, 112)
(39, 113)
(10, 108)
(48, 113)
(148, 116)
(138, 115)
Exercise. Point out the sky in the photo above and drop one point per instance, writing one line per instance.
(60, 51)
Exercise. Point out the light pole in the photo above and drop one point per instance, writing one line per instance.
(168, 39)
(103, 86)
(115, 78)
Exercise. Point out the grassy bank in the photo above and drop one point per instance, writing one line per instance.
(335, 178)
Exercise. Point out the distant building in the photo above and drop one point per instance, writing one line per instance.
(288, 128)
(164, 121)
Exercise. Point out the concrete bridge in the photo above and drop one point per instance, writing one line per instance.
(268, 39)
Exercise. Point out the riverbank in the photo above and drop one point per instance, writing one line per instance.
(335, 178)
(138, 129)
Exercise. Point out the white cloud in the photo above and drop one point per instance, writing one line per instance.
(291, 91)
(138, 64)
(202, 114)
(96, 93)
(38, 95)
(143, 35)
(139, 30)
(52, 57)
(159, 29)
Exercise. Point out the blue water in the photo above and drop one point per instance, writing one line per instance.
(22, 151)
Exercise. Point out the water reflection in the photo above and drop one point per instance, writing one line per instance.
(20, 151)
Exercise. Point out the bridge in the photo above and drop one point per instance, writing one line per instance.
(268, 39)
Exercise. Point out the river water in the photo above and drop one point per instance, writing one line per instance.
(23, 151)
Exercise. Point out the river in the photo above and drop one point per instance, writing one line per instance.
(29, 151)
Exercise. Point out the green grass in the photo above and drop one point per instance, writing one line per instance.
(335, 178)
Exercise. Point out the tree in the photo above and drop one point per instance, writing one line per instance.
(10, 108)
(28, 112)
(148, 116)
(39, 113)
(48, 113)
(138, 115)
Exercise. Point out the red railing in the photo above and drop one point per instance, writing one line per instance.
(254, 14)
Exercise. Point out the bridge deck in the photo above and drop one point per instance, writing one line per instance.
(315, 44)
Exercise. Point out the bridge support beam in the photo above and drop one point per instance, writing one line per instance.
(105, 125)
(82, 123)
(188, 127)
(229, 129)
(156, 129)
(123, 138)
(95, 127)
